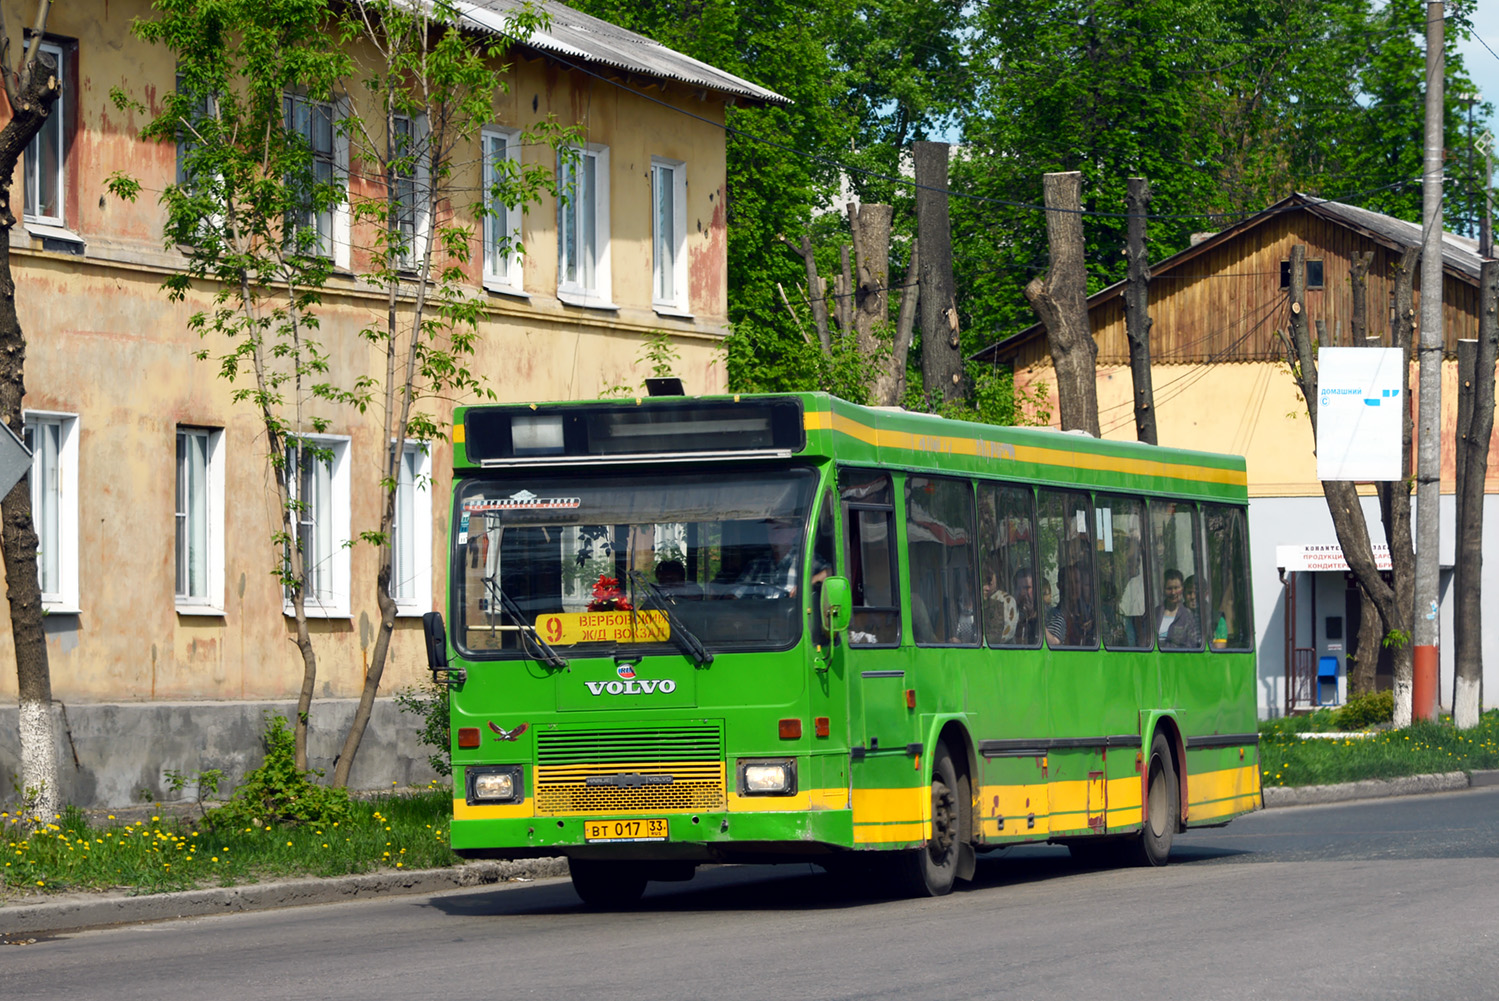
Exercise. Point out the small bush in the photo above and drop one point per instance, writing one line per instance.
(430, 702)
(1366, 710)
(276, 793)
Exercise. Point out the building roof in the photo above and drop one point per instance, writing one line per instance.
(1460, 257)
(574, 35)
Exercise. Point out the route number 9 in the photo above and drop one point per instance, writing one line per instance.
(553, 626)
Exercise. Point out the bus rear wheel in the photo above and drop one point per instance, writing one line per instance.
(607, 885)
(1162, 806)
(931, 871)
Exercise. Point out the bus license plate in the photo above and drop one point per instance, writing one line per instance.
(651, 829)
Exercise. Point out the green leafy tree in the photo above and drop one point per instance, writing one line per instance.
(245, 215)
(428, 91)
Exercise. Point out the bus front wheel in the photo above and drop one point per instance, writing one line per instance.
(1162, 806)
(607, 884)
(930, 871)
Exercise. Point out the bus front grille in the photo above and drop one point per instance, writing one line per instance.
(596, 770)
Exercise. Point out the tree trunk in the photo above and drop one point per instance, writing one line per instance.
(870, 225)
(817, 292)
(1467, 690)
(1137, 320)
(1342, 497)
(1366, 653)
(1395, 496)
(1061, 300)
(32, 96)
(941, 347)
(905, 328)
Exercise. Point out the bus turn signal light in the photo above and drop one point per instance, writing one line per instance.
(821, 726)
(910, 698)
(791, 729)
(468, 737)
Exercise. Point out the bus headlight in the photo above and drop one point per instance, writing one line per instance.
(767, 777)
(499, 784)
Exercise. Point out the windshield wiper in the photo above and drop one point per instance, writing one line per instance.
(539, 648)
(685, 639)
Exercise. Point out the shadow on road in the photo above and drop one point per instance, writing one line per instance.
(790, 887)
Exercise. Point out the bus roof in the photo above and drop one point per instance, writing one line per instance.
(834, 428)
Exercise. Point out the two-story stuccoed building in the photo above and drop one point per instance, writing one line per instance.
(167, 634)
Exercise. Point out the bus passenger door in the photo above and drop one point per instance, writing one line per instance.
(879, 719)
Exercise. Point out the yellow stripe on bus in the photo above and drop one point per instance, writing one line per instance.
(1223, 793)
(884, 816)
(956, 445)
(462, 810)
(458, 434)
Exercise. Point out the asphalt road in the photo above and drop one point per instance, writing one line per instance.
(1395, 898)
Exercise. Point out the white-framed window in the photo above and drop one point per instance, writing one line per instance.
(53, 440)
(200, 521)
(502, 246)
(583, 274)
(317, 123)
(46, 172)
(319, 486)
(411, 534)
(669, 236)
(411, 192)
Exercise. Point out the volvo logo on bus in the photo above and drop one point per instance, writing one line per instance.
(635, 686)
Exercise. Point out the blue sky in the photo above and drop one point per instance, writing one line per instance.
(1483, 65)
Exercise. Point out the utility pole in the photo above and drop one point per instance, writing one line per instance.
(1427, 662)
(1136, 309)
(941, 346)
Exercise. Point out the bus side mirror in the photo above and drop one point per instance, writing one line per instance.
(837, 605)
(437, 650)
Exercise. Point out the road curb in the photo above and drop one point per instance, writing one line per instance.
(79, 911)
(1409, 785)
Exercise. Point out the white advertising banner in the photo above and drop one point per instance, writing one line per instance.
(1361, 398)
(1324, 558)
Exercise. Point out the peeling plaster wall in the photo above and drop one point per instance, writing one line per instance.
(105, 344)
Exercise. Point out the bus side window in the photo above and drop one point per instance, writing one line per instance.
(1007, 536)
(1226, 600)
(1124, 594)
(1067, 588)
(939, 540)
(869, 520)
(1177, 619)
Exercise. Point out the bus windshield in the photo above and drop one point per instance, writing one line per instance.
(722, 552)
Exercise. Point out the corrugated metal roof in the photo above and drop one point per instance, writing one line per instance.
(577, 36)
(1459, 253)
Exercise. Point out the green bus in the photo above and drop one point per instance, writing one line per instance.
(771, 628)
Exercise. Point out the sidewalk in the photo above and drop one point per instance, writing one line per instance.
(49, 915)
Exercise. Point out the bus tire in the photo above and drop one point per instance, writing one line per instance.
(607, 885)
(932, 870)
(1163, 806)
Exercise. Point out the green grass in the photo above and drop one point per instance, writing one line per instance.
(390, 832)
(1287, 759)
(410, 831)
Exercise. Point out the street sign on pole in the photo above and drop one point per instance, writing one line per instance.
(15, 459)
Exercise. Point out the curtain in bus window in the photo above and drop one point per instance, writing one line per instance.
(1064, 527)
(940, 541)
(869, 519)
(1176, 621)
(1227, 620)
(1007, 540)
(1123, 597)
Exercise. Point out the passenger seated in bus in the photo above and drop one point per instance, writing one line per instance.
(671, 578)
(1071, 623)
(1027, 630)
(1132, 595)
(1189, 594)
(1176, 625)
(1001, 612)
